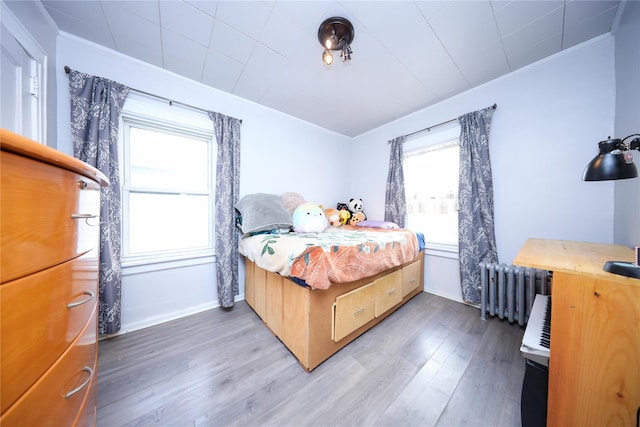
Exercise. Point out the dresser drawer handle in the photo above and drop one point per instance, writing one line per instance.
(88, 370)
(391, 291)
(358, 312)
(86, 218)
(91, 295)
(83, 216)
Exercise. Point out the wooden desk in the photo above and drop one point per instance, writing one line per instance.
(594, 365)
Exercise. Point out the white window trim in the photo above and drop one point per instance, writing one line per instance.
(145, 110)
(442, 250)
(130, 268)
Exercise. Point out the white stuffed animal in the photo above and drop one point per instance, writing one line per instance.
(309, 218)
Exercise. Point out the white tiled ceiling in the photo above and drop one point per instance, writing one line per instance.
(407, 55)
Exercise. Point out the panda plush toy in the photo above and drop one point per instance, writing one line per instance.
(356, 205)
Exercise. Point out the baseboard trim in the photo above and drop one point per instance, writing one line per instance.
(446, 295)
(167, 317)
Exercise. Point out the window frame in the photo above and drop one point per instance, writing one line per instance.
(144, 111)
(426, 141)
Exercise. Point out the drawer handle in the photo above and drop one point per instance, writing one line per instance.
(88, 370)
(91, 295)
(413, 279)
(391, 291)
(83, 216)
(86, 218)
(358, 312)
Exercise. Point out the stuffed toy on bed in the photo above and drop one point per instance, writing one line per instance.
(291, 200)
(309, 218)
(356, 218)
(333, 216)
(356, 206)
(344, 216)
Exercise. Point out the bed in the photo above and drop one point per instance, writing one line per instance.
(317, 292)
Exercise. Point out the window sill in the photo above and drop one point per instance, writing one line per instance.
(138, 266)
(441, 250)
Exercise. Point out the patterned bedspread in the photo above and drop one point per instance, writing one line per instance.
(337, 255)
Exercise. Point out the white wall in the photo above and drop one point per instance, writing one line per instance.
(627, 54)
(279, 153)
(545, 130)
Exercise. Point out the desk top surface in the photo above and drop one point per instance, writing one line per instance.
(574, 257)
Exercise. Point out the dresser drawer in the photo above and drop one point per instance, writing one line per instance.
(353, 310)
(89, 410)
(40, 316)
(39, 202)
(50, 402)
(411, 278)
(388, 291)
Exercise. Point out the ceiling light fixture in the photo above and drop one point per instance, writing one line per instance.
(336, 34)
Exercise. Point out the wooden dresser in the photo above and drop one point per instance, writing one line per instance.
(50, 212)
(594, 363)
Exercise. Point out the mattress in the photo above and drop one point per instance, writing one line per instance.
(337, 255)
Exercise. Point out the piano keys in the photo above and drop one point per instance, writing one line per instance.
(537, 335)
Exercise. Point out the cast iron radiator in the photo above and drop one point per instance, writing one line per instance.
(507, 291)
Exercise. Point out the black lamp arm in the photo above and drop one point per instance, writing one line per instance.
(634, 144)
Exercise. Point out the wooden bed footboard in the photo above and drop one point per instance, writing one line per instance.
(314, 324)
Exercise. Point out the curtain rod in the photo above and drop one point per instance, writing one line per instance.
(170, 101)
(428, 129)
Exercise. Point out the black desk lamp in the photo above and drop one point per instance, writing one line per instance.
(615, 161)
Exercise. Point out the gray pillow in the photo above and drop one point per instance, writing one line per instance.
(262, 212)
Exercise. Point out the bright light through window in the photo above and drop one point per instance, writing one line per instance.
(168, 195)
(167, 222)
(431, 189)
(168, 161)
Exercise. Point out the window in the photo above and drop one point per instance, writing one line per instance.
(431, 167)
(168, 191)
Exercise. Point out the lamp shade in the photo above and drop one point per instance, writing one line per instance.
(609, 164)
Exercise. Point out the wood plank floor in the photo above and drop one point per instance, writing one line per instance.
(434, 362)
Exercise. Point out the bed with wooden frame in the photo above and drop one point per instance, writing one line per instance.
(315, 321)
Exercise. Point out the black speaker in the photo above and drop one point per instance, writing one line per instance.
(533, 402)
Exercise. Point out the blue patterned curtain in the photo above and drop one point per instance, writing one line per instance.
(227, 131)
(477, 242)
(395, 204)
(96, 105)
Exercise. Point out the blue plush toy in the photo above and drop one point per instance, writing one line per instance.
(309, 218)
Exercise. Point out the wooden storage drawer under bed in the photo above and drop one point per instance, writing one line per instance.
(314, 324)
(411, 278)
(353, 309)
